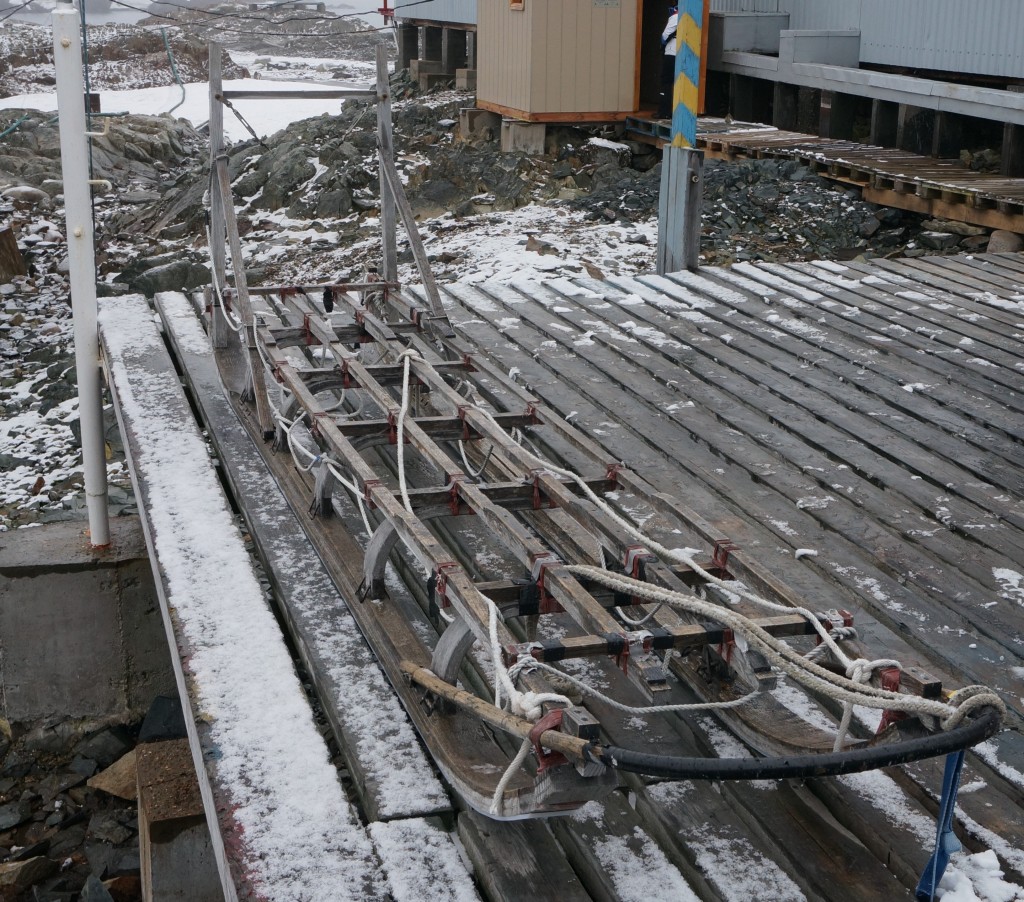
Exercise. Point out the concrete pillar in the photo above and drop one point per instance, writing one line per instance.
(885, 117)
(470, 49)
(741, 97)
(453, 49)
(784, 106)
(433, 38)
(915, 129)
(408, 46)
(948, 136)
(836, 115)
(175, 852)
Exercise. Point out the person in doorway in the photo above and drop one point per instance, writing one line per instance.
(668, 64)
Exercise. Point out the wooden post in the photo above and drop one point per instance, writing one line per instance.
(11, 262)
(885, 117)
(388, 214)
(244, 304)
(682, 183)
(218, 326)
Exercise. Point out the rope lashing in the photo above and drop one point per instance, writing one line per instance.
(528, 705)
(809, 674)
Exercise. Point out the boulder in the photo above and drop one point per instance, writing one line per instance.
(18, 876)
(1004, 242)
(180, 275)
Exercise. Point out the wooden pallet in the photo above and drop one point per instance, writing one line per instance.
(890, 177)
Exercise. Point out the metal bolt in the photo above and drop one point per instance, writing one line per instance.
(65, 42)
(78, 232)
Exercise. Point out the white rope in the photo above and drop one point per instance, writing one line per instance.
(528, 664)
(528, 705)
(851, 666)
(354, 491)
(406, 357)
(809, 674)
(233, 324)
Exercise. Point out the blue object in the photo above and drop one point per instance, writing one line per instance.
(946, 843)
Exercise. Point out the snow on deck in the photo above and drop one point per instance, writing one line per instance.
(289, 830)
(372, 719)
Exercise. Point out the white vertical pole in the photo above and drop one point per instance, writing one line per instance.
(218, 326)
(74, 156)
(388, 212)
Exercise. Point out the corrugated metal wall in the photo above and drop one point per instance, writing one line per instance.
(458, 12)
(558, 56)
(983, 37)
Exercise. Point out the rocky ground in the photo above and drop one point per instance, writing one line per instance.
(307, 211)
(68, 824)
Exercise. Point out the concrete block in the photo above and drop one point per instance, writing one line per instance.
(175, 850)
(465, 79)
(430, 80)
(525, 137)
(751, 32)
(423, 67)
(81, 634)
(475, 123)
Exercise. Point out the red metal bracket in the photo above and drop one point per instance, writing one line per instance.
(890, 678)
(726, 646)
(720, 557)
(611, 473)
(462, 410)
(539, 565)
(545, 759)
(538, 494)
(392, 428)
(368, 488)
(346, 376)
(441, 582)
(307, 331)
(531, 414)
(454, 498)
(622, 658)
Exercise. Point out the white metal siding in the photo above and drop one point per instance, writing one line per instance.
(458, 12)
(983, 37)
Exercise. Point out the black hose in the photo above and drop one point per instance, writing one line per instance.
(971, 731)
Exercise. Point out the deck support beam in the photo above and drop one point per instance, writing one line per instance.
(836, 114)
(885, 120)
(785, 106)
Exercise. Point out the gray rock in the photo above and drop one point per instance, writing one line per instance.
(178, 276)
(95, 891)
(939, 241)
(964, 229)
(975, 244)
(1004, 242)
(14, 813)
(104, 747)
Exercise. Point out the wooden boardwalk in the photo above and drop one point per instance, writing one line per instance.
(857, 429)
(888, 176)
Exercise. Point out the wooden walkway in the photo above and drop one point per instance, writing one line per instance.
(855, 428)
(887, 176)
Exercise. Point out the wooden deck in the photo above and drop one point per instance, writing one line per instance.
(887, 176)
(868, 417)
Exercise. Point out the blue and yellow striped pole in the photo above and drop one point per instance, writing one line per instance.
(682, 172)
(686, 89)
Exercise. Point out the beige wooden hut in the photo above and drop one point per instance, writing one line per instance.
(569, 60)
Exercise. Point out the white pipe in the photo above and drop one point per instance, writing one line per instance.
(74, 156)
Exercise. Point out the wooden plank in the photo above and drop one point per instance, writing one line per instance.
(687, 458)
(251, 793)
(341, 666)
